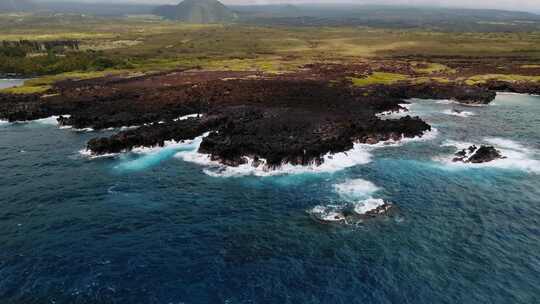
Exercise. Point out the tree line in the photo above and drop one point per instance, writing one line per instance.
(22, 48)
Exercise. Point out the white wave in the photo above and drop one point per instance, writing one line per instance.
(84, 130)
(360, 154)
(460, 114)
(518, 94)
(77, 130)
(460, 145)
(507, 144)
(90, 155)
(170, 144)
(126, 128)
(4, 122)
(356, 188)
(405, 108)
(370, 204)
(332, 162)
(359, 192)
(426, 136)
(52, 120)
(186, 117)
(517, 156)
(346, 213)
(446, 101)
(330, 213)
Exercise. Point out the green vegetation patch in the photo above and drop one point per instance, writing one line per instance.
(26, 89)
(379, 78)
(420, 80)
(52, 63)
(479, 79)
(432, 68)
(45, 83)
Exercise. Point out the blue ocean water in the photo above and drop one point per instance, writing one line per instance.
(8, 83)
(151, 227)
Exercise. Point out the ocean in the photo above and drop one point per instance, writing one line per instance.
(165, 225)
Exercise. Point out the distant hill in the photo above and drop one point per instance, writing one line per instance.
(387, 16)
(16, 5)
(197, 11)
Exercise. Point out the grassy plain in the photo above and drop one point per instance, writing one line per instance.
(151, 44)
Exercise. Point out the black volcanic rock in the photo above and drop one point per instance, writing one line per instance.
(149, 136)
(475, 155)
(459, 92)
(280, 119)
(197, 11)
(521, 87)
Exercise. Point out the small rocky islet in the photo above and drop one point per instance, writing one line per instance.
(478, 155)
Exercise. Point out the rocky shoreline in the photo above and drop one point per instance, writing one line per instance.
(288, 118)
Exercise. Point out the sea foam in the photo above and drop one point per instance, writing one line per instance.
(358, 200)
(167, 148)
(52, 120)
(405, 108)
(355, 189)
(365, 206)
(186, 117)
(360, 154)
(460, 114)
(517, 156)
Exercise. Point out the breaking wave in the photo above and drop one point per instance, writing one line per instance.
(356, 188)
(358, 202)
(458, 113)
(360, 154)
(148, 156)
(517, 156)
(186, 117)
(52, 120)
(405, 108)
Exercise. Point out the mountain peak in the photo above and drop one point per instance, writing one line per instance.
(197, 11)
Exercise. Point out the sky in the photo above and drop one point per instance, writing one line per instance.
(522, 5)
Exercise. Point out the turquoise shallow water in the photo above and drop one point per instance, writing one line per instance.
(151, 227)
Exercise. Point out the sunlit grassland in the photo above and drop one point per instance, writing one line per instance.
(478, 79)
(150, 38)
(379, 78)
(150, 44)
(44, 83)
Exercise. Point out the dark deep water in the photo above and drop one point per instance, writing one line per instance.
(151, 227)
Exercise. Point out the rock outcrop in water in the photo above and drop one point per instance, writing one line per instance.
(475, 155)
(351, 213)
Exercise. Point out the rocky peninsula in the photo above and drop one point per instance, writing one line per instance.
(294, 118)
